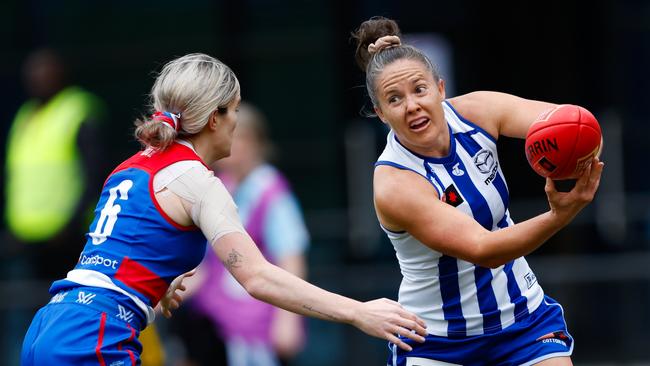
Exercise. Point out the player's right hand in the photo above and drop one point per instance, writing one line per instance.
(567, 204)
(387, 319)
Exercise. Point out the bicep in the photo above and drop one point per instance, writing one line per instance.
(517, 114)
(500, 113)
(418, 211)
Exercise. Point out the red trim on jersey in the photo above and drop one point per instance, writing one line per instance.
(132, 337)
(100, 340)
(153, 161)
(141, 279)
(131, 356)
(164, 214)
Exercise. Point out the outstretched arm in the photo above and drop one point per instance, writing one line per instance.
(381, 318)
(419, 211)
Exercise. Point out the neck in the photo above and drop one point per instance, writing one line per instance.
(204, 149)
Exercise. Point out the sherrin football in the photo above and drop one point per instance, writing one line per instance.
(562, 142)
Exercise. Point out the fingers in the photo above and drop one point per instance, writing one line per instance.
(412, 322)
(400, 343)
(190, 273)
(419, 325)
(393, 337)
(408, 333)
(596, 171)
(590, 178)
(550, 186)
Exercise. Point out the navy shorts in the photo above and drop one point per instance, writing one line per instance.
(537, 337)
(83, 326)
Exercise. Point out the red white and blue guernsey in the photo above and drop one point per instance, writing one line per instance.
(133, 247)
(458, 299)
(132, 253)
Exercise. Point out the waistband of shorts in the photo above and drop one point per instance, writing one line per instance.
(97, 299)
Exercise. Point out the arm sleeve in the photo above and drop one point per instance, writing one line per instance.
(212, 207)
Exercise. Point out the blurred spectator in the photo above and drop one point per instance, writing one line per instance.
(254, 333)
(52, 175)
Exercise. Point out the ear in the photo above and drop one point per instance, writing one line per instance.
(213, 120)
(379, 114)
(441, 89)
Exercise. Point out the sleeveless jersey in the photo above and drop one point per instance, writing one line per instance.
(133, 247)
(457, 298)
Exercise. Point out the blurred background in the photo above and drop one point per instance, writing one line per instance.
(295, 62)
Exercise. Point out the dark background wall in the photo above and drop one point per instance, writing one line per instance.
(295, 61)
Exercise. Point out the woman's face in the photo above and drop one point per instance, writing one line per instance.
(409, 100)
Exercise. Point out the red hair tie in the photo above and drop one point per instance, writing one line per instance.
(170, 119)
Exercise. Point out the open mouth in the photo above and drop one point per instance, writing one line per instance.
(419, 124)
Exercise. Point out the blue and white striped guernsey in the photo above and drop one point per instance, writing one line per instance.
(457, 298)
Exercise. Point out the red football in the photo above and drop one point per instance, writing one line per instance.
(562, 141)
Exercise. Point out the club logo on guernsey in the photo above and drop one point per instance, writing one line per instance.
(124, 314)
(452, 197)
(85, 298)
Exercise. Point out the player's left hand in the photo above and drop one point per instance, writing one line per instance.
(384, 318)
(173, 299)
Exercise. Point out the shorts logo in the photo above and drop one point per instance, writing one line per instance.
(484, 161)
(452, 197)
(117, 363)
(124, 314)
(58, 297)
(84, 298)
(557, 337)
(530, 279)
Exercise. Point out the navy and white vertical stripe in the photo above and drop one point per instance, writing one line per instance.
(457, 298)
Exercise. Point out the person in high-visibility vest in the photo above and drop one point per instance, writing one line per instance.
(52, 175)
(52, 155)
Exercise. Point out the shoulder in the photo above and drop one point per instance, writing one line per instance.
(482, 108)
(398, 193)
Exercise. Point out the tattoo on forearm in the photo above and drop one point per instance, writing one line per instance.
(234, 260)
(329, 316)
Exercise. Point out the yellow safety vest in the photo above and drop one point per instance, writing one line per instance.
(45, 177)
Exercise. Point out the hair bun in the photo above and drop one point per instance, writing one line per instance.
(384, 43)
(370, 32)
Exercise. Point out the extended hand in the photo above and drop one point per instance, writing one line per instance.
(384, 318)
(567, 204)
